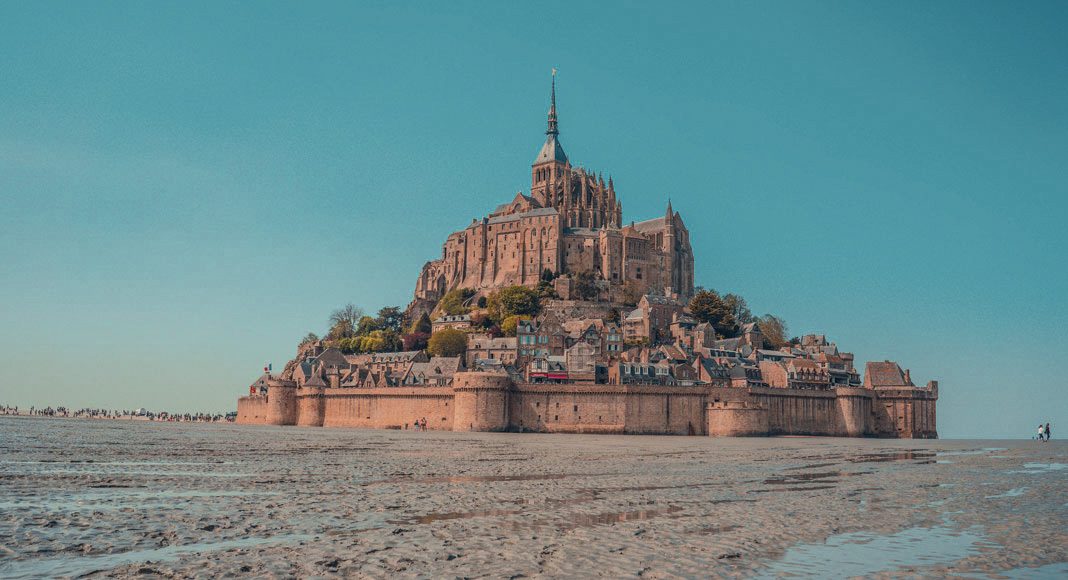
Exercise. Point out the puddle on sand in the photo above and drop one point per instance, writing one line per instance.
(1014, 492)
(715, 530)
(483, 478)
(117, 498)
(798, 478)
(570, 520)
(883, 457)
(784, 489)
(78, 566)
(1041, 467)
(431, 518)
(862, 554)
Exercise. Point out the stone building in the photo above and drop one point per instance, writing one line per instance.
(570, 222)
(484, 346)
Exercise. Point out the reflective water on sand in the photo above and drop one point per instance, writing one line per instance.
(863, 554)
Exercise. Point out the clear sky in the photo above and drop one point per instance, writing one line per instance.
(187, 189)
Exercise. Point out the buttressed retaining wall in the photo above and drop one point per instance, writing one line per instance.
(491, 402)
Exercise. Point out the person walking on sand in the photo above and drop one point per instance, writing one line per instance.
(1047, 432)
(1041, 432)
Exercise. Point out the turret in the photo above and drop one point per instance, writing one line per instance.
(481, 401)
(281, 402)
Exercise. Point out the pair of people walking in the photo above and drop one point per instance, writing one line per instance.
(1043, 431)
(420, 424)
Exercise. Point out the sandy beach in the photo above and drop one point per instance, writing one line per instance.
(96, 499)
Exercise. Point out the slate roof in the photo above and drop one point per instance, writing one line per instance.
(332, 357)
(661, 300)
(514, 217)
(551, 151)
(315, 381)
(652, 225)
(884, 374)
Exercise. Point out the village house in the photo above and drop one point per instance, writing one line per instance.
(457, 322)
(484, 346)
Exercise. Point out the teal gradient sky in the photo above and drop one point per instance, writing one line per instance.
(186, 189)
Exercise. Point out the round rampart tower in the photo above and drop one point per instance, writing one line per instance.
(281, 402)
(481, 401)
(736, 419)
(311, 406)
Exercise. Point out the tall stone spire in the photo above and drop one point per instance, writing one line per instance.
(551, 151)
(553, 130)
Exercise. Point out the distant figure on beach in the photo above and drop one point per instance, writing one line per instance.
(1041, 432)
(1047, 431)
(424, 424)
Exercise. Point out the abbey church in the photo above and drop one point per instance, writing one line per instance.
(571, 222)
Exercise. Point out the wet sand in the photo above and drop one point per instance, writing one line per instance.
(96, 499)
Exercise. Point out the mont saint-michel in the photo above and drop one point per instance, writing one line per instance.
(553, 314)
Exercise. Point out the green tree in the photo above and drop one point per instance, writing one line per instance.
(423, 324)
(632, 293)
(739, 309)
(707, 306)
(345, 344)
(341, 329)
(545, 290)
(448, 342)
(774, 330)
(547, 275)
(310, 337)
(584, 285)
(512, 300)
(508, 325)
(612, 316)
(366, 326)
(453, 302)
(390, 317)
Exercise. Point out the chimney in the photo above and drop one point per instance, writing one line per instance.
(908, 377)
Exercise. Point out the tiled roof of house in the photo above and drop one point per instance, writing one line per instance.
(884, 374)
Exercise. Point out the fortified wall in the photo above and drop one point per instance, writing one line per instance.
(479, 401)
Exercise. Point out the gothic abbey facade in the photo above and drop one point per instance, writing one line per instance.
(571, 222)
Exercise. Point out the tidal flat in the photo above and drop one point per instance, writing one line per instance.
(119, 499)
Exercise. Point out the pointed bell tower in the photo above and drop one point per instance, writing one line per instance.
(548, 168)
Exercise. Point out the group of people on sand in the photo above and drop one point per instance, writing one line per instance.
(1043, 431)
(419, 424)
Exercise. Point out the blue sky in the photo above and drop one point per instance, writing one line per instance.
(186, 189)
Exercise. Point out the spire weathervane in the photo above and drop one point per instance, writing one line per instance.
(553, 130)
